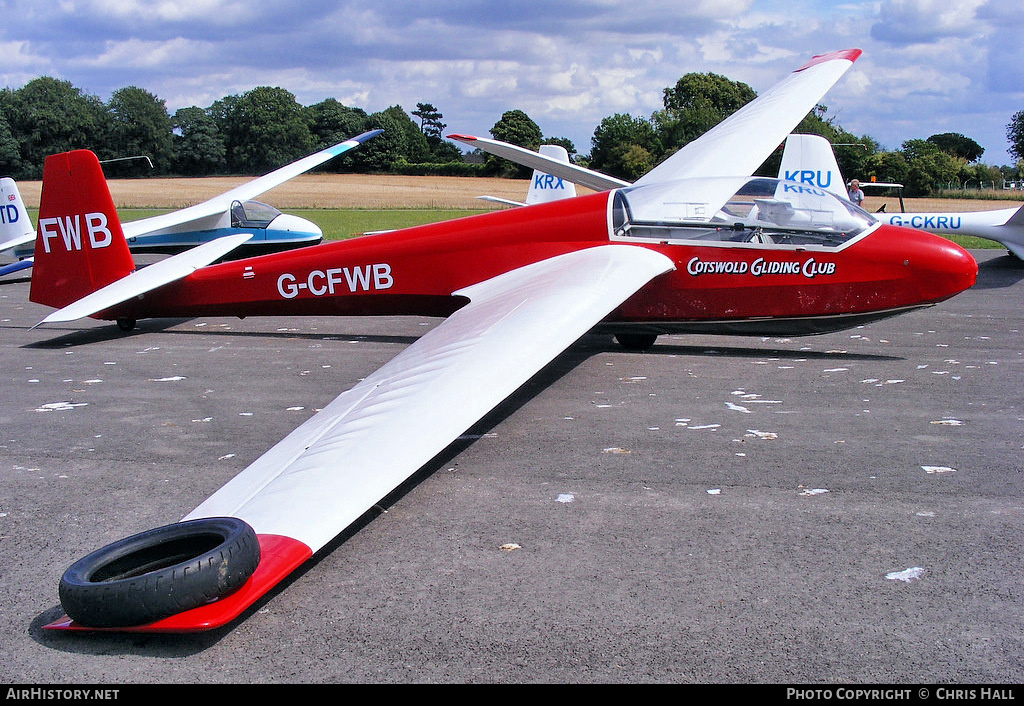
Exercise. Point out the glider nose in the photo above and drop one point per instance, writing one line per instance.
(941, 267)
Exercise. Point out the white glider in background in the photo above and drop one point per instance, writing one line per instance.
(544, 187)
(232, 213)
(16, 230)
(544, 163)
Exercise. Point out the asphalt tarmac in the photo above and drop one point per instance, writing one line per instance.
(847, 508)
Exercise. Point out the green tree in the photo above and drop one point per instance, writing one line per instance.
(441, 150)
(890, 167)
(416, 150)
(199, 148)
(695, 104)
(386, 150)
(430, 121)
(48, 115)
(10, 156)
(445, 152)
(140, 125)
(927, 167)
(334, 123)
(1015, 135)
(980, 176)
(621, 143)
(958, 145)
(517, 128)
(265, 129)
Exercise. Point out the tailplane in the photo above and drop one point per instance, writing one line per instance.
(79, 245)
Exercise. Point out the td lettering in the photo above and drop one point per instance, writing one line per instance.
(68, 229)
(546, 181)
(330, 281)
(9, 214)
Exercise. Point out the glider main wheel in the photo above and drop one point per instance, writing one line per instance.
(636, 341)
(160, 572)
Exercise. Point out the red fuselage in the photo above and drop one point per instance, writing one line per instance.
(738, 288)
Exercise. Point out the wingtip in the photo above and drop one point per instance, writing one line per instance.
(462, 138)
(850, 55)
(367, 135)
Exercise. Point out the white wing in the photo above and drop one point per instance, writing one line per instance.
(735, 147)
(17, 240)
(215, 212)
(738, 145)
(549, 165)
(332, 469)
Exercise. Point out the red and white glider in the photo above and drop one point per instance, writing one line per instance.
(695, 245)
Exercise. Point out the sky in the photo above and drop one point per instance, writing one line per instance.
(928, 67)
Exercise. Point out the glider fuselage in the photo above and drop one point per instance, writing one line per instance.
(748, 287)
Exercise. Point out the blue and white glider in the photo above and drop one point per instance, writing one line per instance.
(231, 213)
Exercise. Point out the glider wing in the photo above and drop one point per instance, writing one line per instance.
(543, 163)
(207, 214)
(738, 145)
(333, 468)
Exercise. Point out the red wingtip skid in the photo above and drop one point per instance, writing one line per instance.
(848, 54)
(279, 556)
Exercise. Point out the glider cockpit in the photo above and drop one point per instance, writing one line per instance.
(252, 214)
(731, 211)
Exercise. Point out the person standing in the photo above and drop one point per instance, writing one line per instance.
(855, 193)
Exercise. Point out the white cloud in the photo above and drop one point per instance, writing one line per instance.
(928, 66)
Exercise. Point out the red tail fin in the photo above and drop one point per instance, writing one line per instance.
(79, 243)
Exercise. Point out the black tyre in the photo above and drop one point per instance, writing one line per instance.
(636, 341)
(160, 572)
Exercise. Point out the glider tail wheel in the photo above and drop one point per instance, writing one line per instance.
(158, 573)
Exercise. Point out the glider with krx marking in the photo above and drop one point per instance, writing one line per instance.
(543, 187)
(694, 245)
(233, 213)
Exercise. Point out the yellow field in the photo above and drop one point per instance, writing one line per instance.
(314, 191)
(334, 191)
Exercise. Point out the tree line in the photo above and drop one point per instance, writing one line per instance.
(266, 127)
(251, 133)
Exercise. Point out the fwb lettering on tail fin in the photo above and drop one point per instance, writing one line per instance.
(69, 231)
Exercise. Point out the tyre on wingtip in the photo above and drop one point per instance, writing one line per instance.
(160, 572)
